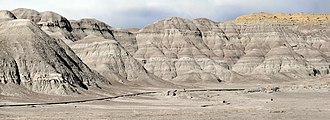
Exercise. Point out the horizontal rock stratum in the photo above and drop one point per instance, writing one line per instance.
(259, 48)
(234, 51)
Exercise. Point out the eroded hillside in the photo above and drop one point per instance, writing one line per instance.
(258, 48)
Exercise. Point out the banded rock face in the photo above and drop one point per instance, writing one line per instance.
(266, 48)
(31, 58)
(50, 22)
(99, 46)
(59, 27)
(108, 51)
(127, 38)
(24, 13)
(290, 44)
(85, 27)
(94, 42)
(106, 56)
(178, 47)
(111, 59)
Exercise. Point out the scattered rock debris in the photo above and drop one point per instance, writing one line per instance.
(268, 89)
(172, 93)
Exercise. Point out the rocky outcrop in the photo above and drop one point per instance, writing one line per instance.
(24, 13)
(29, 57)
(109, 51)
(111, 59)
(59, 27)
(263, 46)
(178, 47)
(127, 39)
(292, 43)
(53, 20)
(85, 27)
(50, 22)
(5, 14)
(251, 46)
(106, 50)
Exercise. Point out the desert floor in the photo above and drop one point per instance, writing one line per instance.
(304, 101)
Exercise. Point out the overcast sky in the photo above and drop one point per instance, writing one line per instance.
(139, 13)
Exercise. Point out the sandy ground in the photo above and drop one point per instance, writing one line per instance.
(295, 102)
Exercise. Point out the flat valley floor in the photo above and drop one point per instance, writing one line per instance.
(304, 101)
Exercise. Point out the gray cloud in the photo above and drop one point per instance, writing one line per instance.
(137, 17)
(138, 13)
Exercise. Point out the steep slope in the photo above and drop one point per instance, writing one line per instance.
(55, 25)
(84, 27)
(175, 47)
(261, 47)
(50, 22)
(257, 46)
(24, 13)
(106, 50)
(5, 14)
(127, 39)
(110, 59)
(29, 57)
(292, 44)
(59, 27)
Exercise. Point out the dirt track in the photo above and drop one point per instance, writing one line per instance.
(205, 104)
(107, 98)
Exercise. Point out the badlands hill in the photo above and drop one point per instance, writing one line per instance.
(31, 58)
(106, 50)
(236, 51)
(255, 48)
